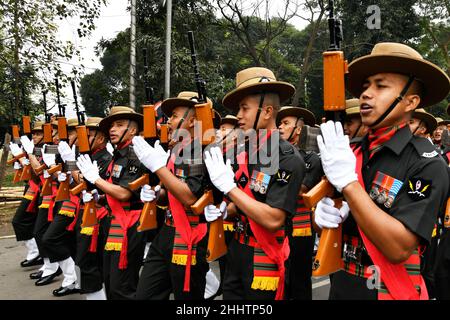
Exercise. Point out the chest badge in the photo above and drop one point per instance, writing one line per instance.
(259, 182)
(117, 170)
(384, 189)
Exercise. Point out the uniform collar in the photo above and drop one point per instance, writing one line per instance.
(397, 143)
(122, 152)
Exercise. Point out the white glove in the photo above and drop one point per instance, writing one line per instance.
(25, 162)
(46, 174)
(48, 158)
(62, 176)
(15, 149)
(149, 195)
(338, 160)
(153, 158)
(88, 169)
(212, 213)
(328, 216)
(221, 174)
(67, 153)
(17, 165)
(87, 197)
(110, 148)
(27, 144)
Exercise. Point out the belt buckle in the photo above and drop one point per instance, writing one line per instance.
(352, 254)
(239, 227)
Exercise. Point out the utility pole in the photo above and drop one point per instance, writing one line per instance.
(168, 48)
(133, 55)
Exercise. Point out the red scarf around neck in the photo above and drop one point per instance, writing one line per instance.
(377, 138)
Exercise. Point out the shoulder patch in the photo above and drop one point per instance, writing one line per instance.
(283, 176)
(430, 154)
(419, 189)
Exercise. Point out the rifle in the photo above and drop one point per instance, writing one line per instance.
(26, 130)
(328, 258)
(63, 189)
(204, 113)
(147, 219)
(89, 218)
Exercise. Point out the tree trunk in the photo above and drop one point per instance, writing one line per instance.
(4, 158)
(300, 93)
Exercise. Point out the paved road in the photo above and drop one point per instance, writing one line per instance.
(15, 283)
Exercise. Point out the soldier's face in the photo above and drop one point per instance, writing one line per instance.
(72, 137)
(437, 134)
(417, 127)
(117, 131)
(351, 125)
(224, 130)
(178, 114)
(286, 126)
(38, 137)
(379, 92)
(248, 108)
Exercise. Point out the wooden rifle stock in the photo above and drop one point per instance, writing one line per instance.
(136, 184)
(17, 175)
(26, 124)
(26, 173)
(216, 241)
(204, 114)
(63, 190)
(47, 187)
(79, 188)
(164, 134)
(147, 219)
(62, 128)
(328, 258)
(40, 169)
(447, 214)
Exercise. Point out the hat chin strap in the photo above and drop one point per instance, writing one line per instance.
(417, 128)
(293, 130)
(123, 135)
(186, 113)
(394, 104)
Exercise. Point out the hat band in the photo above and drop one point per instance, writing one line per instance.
(261, 80)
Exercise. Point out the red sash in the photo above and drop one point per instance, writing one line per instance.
(267, 240)
(101, 213)
(77, 201)
(189, 235)
(125, 218)
(35, 189)
(394, 276)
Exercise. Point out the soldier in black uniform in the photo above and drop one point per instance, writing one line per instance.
(266, 177)
(125, 246)
(184, 180)
(401, 183)
(58, 240)
(422, 123)
(91, 240)
(26, 214)
(291, 121)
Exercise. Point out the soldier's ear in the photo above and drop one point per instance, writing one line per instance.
(412, 102)
(269, 112)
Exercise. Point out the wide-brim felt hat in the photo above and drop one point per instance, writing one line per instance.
(72, 123)
(442, 122)
(429, 120)
(184, 99)
(289, 111)
(352, 107)
(229, 119)
(390, 57)
(253, 81)
(37, 126)
(121, 113)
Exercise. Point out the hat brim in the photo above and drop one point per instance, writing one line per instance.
(436, 82)
(168, 105)
(229, 121)
(106, 122)
(307, 116)
(443, 123)
(285, 91)
(429, 120)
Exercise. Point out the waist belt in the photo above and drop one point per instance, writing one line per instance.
(244, 234)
